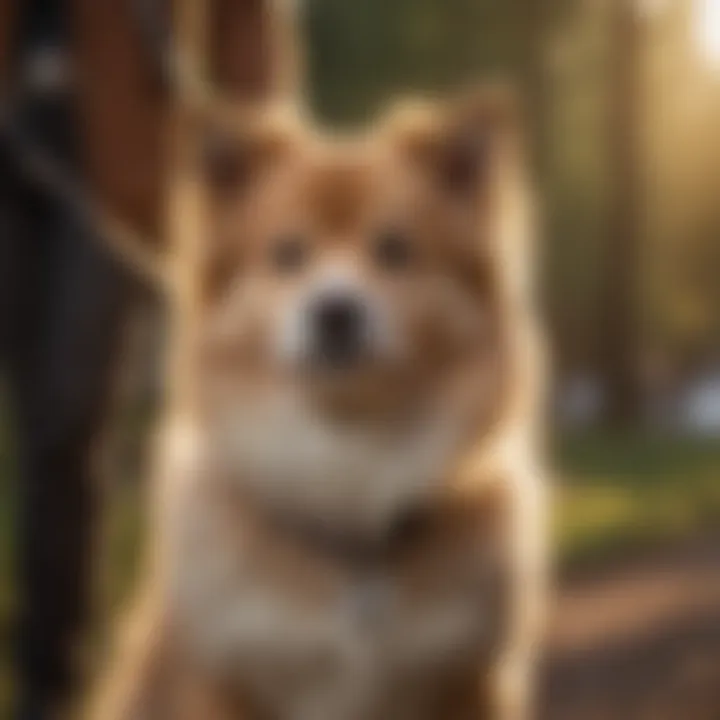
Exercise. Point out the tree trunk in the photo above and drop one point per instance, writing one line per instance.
(534, 71)
(619, 325)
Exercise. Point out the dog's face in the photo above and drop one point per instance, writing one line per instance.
(356, 284)
(359, 268)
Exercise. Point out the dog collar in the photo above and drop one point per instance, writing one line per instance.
(356, 549)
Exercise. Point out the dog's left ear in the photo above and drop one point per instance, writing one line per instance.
(479, 130)
(464, 142)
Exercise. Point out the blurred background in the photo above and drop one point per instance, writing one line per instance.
(623, 116)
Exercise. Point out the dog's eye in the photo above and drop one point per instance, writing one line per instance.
(393, 250)
(289, 253)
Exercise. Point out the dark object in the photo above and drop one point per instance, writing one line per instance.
(338, 327)
(64, 297)
(59, 312)
(29, 708)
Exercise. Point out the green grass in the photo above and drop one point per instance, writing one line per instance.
(617, 494)
(614, 494)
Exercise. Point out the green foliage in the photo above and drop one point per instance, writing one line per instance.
(363, 53)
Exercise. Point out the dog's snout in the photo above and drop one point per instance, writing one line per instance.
(339, 318)
(339, 328)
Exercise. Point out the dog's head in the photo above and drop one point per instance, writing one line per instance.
(360, 282)
(363, 267)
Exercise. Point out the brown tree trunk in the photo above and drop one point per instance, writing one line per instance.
(619, 328)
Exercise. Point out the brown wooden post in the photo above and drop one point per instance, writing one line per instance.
(256, 48)
(122, 111)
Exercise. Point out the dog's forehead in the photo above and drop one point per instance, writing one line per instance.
(338, 190)
(339, 184)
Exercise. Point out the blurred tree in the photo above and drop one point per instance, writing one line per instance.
(620, 330)
(535, 21)
(681, 294)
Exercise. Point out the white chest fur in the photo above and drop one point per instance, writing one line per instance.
(300, 461)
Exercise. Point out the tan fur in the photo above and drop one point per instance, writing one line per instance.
(248, 619)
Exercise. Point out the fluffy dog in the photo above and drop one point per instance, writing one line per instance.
(351, 518)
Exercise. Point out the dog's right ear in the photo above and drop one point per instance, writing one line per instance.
(462, 143)
(236, 145)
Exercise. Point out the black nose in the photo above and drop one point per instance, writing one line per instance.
(339, 328)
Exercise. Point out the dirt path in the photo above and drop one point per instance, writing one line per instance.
(640, 643)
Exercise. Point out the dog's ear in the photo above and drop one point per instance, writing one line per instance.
(477, 132)
(237, 145)
(473, 149)
(461, 143)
